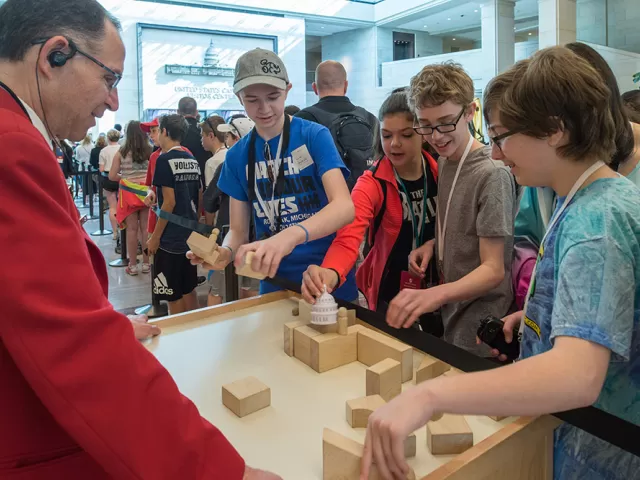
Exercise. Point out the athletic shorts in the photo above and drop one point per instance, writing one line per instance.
(175, 276)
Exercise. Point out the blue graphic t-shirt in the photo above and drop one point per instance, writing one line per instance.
(302, 197)
(587, 285)
(180, 171)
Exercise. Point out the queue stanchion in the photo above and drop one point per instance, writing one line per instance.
(156, 308)
(123, 261)
(77, 176)
(231, 288)
(102, 232)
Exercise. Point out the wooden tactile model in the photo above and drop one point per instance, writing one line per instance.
(360, 409)
(205, 247)
(430, 368)
(246, 396)
(449, 436)
(373, 347)
(385, 379)
(246, 270)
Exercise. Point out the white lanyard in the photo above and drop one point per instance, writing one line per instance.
(419, 231)
(572, 193)
(269, 209)
(442, 230)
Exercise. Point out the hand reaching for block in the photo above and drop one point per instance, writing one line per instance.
(204, 248)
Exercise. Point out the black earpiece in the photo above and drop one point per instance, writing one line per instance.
(59, 59)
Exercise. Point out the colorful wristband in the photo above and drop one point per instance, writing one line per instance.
(306, 232)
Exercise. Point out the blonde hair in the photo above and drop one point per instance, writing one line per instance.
(113, 135)
(437, 83)
(87, 140)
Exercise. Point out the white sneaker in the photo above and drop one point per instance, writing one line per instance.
(146, 268)
(132, 270)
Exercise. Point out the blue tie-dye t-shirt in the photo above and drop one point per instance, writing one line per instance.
(587, 285)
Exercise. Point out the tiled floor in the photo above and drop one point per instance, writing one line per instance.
(126, 293)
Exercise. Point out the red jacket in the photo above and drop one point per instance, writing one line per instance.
(367, 196)
(80, 397)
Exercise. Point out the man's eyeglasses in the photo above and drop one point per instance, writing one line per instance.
(443, 128)
(499, 139)
(112, 81)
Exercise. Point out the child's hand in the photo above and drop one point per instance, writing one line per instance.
(270, 252)
(150, 199)
(409, 304)
(153, 244)
(313, 281)
(224, 259)
(420, 257)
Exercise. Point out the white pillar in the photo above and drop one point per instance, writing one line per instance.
(557, 22)
(498, 37)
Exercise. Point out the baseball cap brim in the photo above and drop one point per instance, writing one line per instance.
(226, 128)
(146, 126)
(259, 80)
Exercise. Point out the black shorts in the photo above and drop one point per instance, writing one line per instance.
(175, 276)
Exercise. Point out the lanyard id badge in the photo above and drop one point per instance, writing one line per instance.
(270, 207)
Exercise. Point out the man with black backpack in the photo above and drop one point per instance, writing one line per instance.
(352, 127)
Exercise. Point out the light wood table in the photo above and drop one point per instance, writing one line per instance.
(208, 348)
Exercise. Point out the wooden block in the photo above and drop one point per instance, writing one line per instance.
(374, 347)
(246, 270)
(384, 379)
(330, 328)
(333, 350)
(341, 458)
(449, 436)
(497, 418)
(288, 336)
(246, 396)
(430, 368)
(205, 247)
(410, 446)
(295, 312)
(359, 410)
(351, 317)
(343, 321)
(304, 310)
(302, 343)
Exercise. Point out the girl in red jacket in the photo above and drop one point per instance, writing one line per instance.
(396, 201)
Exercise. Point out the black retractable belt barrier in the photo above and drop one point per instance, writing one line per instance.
(231, 288)
(604, 425)
(156, 309)
(123, 261)
(102, 232)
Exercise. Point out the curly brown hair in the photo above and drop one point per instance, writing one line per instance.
(136, 143)
(437, 83)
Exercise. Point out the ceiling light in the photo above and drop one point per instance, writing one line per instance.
(425, 26)
(454, 39)
(448, 18)
(321, 27)
(529, 33)
(475, 11)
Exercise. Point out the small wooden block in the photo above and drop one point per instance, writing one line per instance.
(295, 312)
(430, 368)
(359, 410)
(330, 328)
(288, 336)
(304, 310)
(341, 458)
(384, 379)
(497, 418)
(247, 271)
(333, 350)
(246, 396)
(302, 343)
(410, 446)
(351, 317)
(449, 436)
(343, 321)
(205, 247)
(374, 347)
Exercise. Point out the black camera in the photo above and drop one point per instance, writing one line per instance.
(491, 333)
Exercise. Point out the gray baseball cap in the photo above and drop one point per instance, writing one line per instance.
(260, 66)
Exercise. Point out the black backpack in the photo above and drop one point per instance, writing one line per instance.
(353, 135)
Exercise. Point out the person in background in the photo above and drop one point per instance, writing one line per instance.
(110, 187)
(291, 110)
(631, 101)
(179, 193)
(83, 151)
(117, 127)
(238, 126)
(80, 398)
(352, 127)
(538, 203)
(474, 222)
(549, 119)
(130, 169)
(395, 202)
(188, 108)
(94, 159)
(296, 205)
(213, 142)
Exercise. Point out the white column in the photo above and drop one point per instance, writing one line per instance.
(498, 38)
(557, 22)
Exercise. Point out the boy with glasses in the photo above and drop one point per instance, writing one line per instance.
(476, 208)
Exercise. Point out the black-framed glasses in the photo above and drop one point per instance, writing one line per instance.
(443, 128)
(111, 83)
(498, 139)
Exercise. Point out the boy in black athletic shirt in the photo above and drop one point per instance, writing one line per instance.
(178, 181)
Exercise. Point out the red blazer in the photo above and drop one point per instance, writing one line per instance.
(80, 397)
(367, 198)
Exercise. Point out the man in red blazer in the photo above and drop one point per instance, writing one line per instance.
(80, 398)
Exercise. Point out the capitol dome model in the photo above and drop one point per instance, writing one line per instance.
(325, 310)
(210, 56)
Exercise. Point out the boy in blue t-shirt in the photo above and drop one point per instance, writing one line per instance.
(287, 175)
(177, 178)
(548, 119)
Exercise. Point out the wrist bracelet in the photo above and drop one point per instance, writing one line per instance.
(230, 249)
(306, 232)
